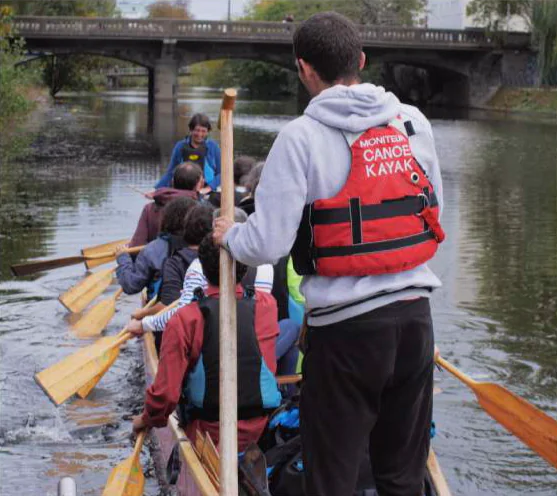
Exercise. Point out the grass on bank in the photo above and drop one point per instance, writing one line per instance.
(526, 99)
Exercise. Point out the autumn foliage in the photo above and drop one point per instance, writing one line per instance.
(167, 9)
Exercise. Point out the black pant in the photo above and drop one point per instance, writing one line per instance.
(368, 379)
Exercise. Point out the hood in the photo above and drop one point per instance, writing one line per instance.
(354, 108)
(162, 196)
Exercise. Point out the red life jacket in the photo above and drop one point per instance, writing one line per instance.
(384, 220)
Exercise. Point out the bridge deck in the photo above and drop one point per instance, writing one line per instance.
(255, 32)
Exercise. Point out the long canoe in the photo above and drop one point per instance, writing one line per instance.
(195, 478)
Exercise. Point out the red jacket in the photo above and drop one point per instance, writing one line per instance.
(148, 226)
(181, 348)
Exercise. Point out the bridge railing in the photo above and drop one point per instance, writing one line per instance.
(271, 32)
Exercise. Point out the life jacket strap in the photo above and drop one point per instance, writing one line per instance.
(393, 208)
(373, 247)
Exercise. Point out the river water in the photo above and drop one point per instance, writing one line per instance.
(495, 317)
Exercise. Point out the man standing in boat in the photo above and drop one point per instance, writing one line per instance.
(199, 149)
(353, 188)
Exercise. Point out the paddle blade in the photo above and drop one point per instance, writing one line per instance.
(65, 378)
(78, 297)
(104, 248)
(536, 429)
(126, 479)
(42, 265)
(96, 319)
(84, 391)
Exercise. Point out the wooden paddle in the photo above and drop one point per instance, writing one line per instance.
(114, 353)
(127, 479)
(288, 379)
(103, 248)
(55, 263)
(137, 190)
(78, 297)
(228, 354)
(536, 429)
(97, 318)
(65, 378)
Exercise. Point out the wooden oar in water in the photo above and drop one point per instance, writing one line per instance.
(97, 318)
(78, 297)
(56, 263)
(114, 353)
(65, 378)
(533, 427)
(127, 479)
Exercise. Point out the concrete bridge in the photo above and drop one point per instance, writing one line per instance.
(468, 64)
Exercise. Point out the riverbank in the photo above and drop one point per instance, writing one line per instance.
(526, 100)
(17, 125)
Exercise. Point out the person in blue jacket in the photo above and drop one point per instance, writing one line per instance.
(197, 148)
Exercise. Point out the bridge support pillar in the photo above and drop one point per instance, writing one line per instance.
(163, 90)
(165, 76)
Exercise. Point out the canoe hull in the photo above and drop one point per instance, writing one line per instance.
(164, 438)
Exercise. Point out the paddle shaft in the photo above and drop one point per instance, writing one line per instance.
(139, 444)
(55, 263)
(137, 190)
(228, 375)
(471, 383)
(288, 379)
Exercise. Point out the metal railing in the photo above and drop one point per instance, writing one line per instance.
(137, 71)
(262, 32)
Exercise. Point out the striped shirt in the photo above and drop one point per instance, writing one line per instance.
(195, 278)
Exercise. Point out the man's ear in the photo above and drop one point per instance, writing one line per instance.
(304, 67)
(200, 184)
(362, 60)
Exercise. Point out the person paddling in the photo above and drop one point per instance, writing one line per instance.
(189, 360)
(145, 270)
(353, 187)
(187, 181)
(199, 149)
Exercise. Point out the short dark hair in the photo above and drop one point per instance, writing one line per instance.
(254, 176)
(331, 44)
(173, 215)
(186, 176)
(242, 165)
(197, 224)
(209, 253)
(199, 120)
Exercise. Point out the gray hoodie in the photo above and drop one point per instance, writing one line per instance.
(309, 160)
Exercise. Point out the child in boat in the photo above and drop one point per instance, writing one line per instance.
(145, 270)
(261, 278)
(187, 181)
(197, 224)
(189, 360)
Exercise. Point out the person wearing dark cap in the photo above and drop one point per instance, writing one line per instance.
(199, 149)
(187, 181)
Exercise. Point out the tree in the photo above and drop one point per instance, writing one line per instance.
(400, 12)
(540, 15)
(75, 72)
(81, 8)
(170, 9)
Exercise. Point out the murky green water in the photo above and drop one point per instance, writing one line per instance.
(495, 317)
